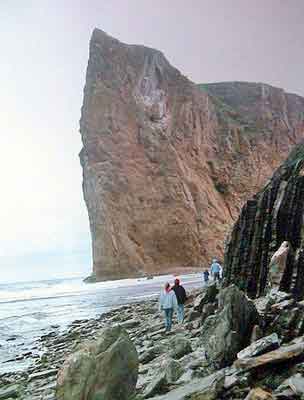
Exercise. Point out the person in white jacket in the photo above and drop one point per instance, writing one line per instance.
(167, 304)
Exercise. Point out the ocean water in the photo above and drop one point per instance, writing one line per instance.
(31, 309)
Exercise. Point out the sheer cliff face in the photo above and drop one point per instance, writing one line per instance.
(274, 215)
(167, 164)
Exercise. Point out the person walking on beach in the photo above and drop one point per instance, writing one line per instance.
(167, 304)
(215, 269)
(181, 297)
(206, 276)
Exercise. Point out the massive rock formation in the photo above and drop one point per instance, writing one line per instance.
(167, 164)
(272, 216)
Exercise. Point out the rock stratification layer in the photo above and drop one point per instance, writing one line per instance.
(167, 163)
(273, 216)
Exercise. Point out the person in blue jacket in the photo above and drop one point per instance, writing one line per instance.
(215, 270)
(168, 304)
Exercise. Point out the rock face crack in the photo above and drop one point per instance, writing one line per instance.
(167, 164)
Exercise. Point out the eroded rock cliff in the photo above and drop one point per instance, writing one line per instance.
(167, 164)
(273, 216)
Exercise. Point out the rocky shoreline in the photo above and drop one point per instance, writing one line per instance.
(39, 380)
(199, 360)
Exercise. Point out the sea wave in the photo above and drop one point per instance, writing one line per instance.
(76, 287)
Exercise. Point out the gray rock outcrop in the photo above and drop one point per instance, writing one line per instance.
(106, 369)
(229, 330)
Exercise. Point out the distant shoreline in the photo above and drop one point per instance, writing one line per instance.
(174, 271)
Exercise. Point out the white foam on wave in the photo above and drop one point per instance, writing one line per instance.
(74, 287)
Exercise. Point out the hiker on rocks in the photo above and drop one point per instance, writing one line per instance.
(215, 269)
(206, 276)
(181, 297)
(168, 303)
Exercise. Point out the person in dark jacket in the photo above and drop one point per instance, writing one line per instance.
(181, 299)
(206, 276)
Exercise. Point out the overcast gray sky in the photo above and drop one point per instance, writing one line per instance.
(44, 51)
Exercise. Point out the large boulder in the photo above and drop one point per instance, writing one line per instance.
(106, 369)
(229, 330)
